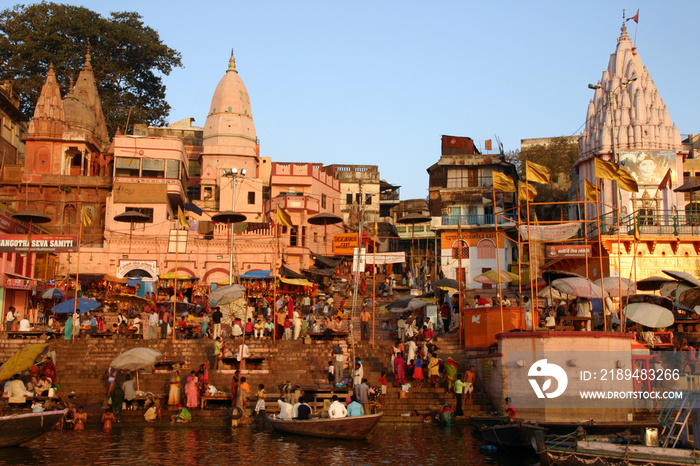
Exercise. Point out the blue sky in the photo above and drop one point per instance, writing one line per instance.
(378, 82)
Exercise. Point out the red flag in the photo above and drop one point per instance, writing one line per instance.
(634, 18)
(666, 182)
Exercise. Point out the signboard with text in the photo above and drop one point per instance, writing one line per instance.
(576, 250)
(39, 243)
(344, 244)
(471, 237)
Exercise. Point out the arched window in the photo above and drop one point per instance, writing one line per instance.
(486, 249)
(455, 249)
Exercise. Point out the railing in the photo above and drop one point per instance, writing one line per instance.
(652, 222)
(486, 219)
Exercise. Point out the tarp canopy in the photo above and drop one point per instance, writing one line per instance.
(289, 273)
(296, 281)
(257, 274)
(328, 262)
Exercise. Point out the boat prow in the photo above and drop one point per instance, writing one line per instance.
(20, 428)
(356, 427)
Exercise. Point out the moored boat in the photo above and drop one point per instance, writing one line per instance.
(584, 451)
(20, 428)
(509, 436)
(356, 427)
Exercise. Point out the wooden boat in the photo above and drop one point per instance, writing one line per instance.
(20, 428)
(584, 451)
(485, 420)
(356, 427)
(509, 436)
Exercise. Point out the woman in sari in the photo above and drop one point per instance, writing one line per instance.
(400, 370)
(191, 390)
(433, 369)
(174, 395)
(451, 373)
(68, 329)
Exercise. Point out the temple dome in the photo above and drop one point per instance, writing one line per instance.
(78, 116)
(229, 129)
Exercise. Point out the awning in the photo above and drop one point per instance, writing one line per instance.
(257, 274)
(21, 277)
(180, 276)
(328, 262)
(296, 281)
(323, 272)
(289, 273)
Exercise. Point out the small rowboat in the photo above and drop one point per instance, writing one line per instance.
(355, 427)
(21, 428)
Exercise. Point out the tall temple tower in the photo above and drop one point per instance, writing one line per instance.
(231, 160)
(628, 122)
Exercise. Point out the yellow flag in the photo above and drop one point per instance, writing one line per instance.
(626, 181)
(85, 217)
(526, 192)
(502, 182)
(537, 173)
(636, 229)
(181, 218)
(283, 218)
(591, 191)
(606, 170)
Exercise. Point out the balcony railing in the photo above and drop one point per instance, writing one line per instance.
(486, 219)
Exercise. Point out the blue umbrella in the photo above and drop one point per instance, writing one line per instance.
(84, 305)
(53, 293)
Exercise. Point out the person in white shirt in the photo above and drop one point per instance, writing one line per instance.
(10, 317)
(285, 409)
(337, 410)
(152, 324)
(24, 325)
(243, 352)
(128, 387)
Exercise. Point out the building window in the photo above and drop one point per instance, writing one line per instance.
(293, 240)
(323, 201)
(195, 168)
(485, 249)
(208, 193)
(126, 166)
(462, 178)
(358, 198)
(348, 198)
(455, 249)
(251, 197)
(303, 237)
(153, 168)
(315, 241)
(193, 192)
(172, 169)
(368, 199)
(284, 230)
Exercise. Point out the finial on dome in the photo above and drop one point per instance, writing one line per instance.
(87, 54)
(232, 62)
(624, 27)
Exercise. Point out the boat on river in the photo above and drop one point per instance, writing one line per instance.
(511, 436)
(605, 452)
(356, 427)
(20, 428)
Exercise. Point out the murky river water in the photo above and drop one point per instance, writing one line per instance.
(165, 444)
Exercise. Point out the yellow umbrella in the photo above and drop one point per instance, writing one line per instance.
(22, 360)
(491, 277)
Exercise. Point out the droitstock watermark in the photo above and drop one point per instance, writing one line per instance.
(599, 379)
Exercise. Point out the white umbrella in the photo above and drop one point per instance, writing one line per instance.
(135, 359)
(617, 286)
(578, 286)
(554, 294)
(649, 315)
(226, 294)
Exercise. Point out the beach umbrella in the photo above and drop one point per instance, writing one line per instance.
(683, 276)
(22, 360)
(673, 289)
(129, 298)
(325, 219)
(53, 293)
(491, 277)
(648, 314)
(652, 283)
(131, 217)
(554, 294)
(226, 294)
(406, 305)
(446, 284)
(578, 286)
(690, 298)
(31, 216)
(550, 275)
(648, 298)
(134, 360)
(616, 286)
(84, 305)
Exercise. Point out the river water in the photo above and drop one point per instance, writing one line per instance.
(182, 444)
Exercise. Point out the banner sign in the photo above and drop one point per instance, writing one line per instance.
(555, 232)
(577, 250)
(344, 244)
(472, 238)
(39, 243)
(386, 258)
(18, 284)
